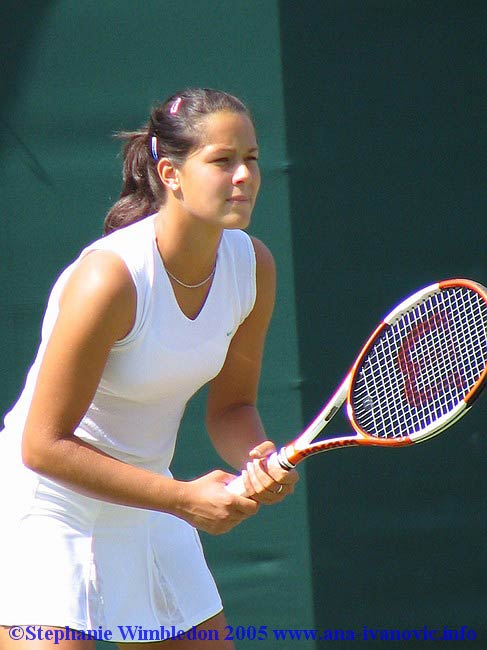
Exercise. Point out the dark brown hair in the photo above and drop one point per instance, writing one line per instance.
(173, 131)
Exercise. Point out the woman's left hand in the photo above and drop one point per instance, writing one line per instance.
(267, 482)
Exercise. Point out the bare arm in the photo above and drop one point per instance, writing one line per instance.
(233, 421)
(97, 308)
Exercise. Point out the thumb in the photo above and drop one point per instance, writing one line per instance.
(262, 450)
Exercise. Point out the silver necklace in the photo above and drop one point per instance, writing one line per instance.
(191, 286)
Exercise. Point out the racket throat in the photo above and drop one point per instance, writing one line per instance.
(284, 461)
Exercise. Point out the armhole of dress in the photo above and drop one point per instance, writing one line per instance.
(252, 287)
(134, 331)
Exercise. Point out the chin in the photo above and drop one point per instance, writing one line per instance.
(237, 220)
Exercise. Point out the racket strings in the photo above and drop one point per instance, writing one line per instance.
(423, 365)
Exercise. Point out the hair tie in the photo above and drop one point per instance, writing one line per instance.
(175, 105)
(154, 148)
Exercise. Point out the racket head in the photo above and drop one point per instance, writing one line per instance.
(423, 366)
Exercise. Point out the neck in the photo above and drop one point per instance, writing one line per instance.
(188, 250)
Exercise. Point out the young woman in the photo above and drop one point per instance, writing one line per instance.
(96, 533)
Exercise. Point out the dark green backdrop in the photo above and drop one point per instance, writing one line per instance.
(75, 73)
(371, 124)
(385, 113)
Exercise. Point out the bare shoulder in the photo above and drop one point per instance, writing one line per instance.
(101, 270)
(263, 256)
(265, 284)
(101, 287)
(265, 273)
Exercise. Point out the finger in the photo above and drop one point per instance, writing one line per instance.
(246, 505)
(258, 471)
(269, 491)
(277, 472)
(262, 450)
(254, 485)
(249, 489)
(257, 477)
(283, 485)
(292, 478)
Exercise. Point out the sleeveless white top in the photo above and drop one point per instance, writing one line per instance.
(70, 560)
(166, 358)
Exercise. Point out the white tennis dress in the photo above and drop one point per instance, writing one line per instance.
(70, 560)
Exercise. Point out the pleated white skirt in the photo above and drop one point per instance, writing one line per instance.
(70, 560)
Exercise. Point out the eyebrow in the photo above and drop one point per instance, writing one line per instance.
(214, 148)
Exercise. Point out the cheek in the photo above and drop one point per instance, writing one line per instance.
(257, 179)
(212, 179)
(201, 185)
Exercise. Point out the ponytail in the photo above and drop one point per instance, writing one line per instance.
(142, 192)
(173, 131)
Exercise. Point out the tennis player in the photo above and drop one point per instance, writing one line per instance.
(95, 530)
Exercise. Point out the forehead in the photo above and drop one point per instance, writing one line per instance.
(226, 129)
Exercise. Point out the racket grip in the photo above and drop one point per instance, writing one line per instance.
(237, 486)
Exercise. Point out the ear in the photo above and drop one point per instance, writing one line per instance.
(168, 174)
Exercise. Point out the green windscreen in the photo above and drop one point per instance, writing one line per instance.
(74, 73)
(385, 129)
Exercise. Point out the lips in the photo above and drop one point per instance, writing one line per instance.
(239, 199)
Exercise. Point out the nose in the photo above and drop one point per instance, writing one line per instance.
(241, 174)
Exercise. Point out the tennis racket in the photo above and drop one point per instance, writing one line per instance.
(418, 373)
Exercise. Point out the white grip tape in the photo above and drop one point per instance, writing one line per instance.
(237, 486)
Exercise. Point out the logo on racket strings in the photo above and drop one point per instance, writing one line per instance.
(423, 351)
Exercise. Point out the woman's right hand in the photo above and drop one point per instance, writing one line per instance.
(206, 504)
